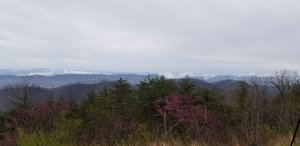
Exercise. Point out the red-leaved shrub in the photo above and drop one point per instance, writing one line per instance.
(176, 110)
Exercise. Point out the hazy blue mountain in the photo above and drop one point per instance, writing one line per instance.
(7, 95)
(227, 77)
(226, 85)
(201, 83)
(65, 79)
(78, 91)
(49, 78)
(72, 91)
(76, 84)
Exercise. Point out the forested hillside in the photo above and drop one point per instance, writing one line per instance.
(156, 111)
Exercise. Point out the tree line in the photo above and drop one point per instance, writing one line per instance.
(262, 111)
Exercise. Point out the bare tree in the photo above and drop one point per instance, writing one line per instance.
(285, 82)
(249, 102)
(258, 93)
(21, 93)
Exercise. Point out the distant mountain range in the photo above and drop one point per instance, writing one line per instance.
(48, 78)
(46, 72)
(76, 84)
(78, 91)
(65, 79)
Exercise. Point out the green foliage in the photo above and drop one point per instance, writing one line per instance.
(296, 102)
(150, 90)
(2, 120)
(67, 127)
(121, 89)
(108, 115)
(156, 87)
(87, 103)
(267, 132)
(89, 100)
(98, 118)
(186, 86)
(211, 98)
(141, 136)
(39, 138)
(241, 100)
(240, 105)
(123, 99)
(148, 114)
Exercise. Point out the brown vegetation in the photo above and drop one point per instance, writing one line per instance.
(159, 112)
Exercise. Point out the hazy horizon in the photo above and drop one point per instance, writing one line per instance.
(198, 37)
(53, 72)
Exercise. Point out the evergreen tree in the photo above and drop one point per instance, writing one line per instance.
(186, 86)
(149, 91)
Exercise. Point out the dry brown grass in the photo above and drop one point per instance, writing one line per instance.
(283, 141)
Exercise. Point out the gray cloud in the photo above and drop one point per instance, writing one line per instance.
(216, 36)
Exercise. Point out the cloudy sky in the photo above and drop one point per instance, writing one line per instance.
(197, 36)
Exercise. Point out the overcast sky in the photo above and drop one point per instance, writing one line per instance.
(197, 36)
